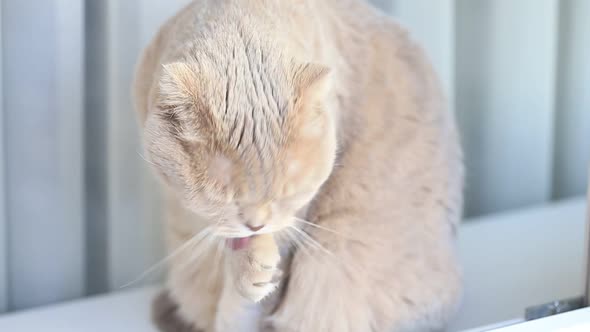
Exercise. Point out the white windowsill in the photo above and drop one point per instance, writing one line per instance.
(574, 321)
(503, 275)
(126, 311)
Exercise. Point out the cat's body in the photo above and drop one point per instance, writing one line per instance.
(391, 199)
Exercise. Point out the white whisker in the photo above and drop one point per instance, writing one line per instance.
(312, 242)
(198, 250)
(298, 243)
(218, 257)
(195, 239)
(145, 159)
(319, 227)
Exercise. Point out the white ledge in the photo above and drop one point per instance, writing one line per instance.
(511, 261)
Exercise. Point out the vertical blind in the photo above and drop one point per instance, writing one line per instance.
(79, 208)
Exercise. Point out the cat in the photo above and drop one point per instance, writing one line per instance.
(313, 176)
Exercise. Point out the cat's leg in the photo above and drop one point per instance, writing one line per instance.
(323, 293)
(194, 285)
(252, 275)
(371, 279)
(236, 313)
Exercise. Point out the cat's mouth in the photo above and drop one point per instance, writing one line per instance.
(238, 243)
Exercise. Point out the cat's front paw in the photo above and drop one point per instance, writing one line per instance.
(256, 268)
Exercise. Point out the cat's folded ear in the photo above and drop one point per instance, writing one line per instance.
(312, 82)
(178, 85)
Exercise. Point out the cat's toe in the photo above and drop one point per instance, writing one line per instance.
(257, 291)
(266, 260)
(255, 285)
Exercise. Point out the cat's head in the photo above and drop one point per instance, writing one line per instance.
(246, 144)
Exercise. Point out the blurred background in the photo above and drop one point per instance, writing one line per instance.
(79, 212)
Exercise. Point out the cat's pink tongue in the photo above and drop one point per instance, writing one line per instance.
(239, 243)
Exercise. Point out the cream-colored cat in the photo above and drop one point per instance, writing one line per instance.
(313, 175)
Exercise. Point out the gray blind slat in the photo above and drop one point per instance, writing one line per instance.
(42, 56)
(572, 134)
(505, 74)
(3, 220)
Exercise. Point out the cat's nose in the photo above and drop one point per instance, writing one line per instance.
(254, 228)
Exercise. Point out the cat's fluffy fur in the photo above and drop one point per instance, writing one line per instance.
(255, 111)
